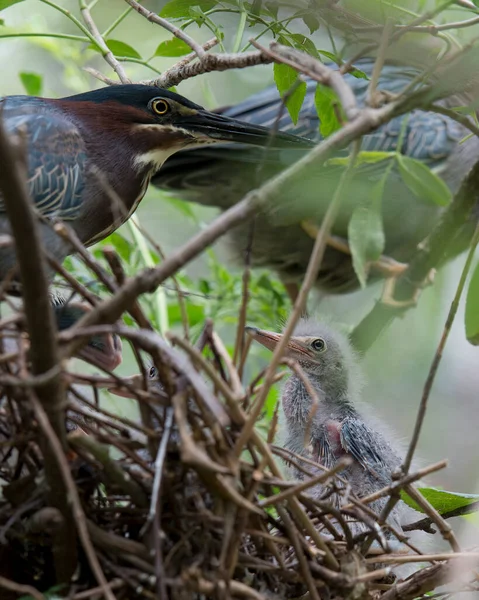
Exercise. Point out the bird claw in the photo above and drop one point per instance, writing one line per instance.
(385, 264)
(390, 286)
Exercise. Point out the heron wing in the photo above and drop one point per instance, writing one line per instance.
(56, 162)
(367, 447)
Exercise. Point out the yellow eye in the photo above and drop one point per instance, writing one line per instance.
(160, 107)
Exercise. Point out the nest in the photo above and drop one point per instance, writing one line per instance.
(189, 503)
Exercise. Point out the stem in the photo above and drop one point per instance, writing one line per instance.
(161, 313)
(74, 20)
(240, 31)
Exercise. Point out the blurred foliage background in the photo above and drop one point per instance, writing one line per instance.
(44, 52)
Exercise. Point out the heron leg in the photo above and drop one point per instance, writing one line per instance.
(386, 265)
(292, 289)
(390, 287)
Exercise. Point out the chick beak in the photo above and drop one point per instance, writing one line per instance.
(135, 382)
(270, 339)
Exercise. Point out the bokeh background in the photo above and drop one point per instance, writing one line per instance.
(396, 367)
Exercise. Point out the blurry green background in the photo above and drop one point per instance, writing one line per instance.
(396, 367)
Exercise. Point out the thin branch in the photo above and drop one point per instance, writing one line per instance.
(425, 524)
(438, 355)
(179, 33)
(105, 51)
(308, 282)
(209, 63)
(24, 590)
(436, 518)
(72, 495)
(304, 63)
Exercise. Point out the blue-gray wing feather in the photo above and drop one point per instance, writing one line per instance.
(367, 447)
(56, 162)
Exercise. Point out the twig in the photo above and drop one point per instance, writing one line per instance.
(155, 506)
(445, 529)
(425, 524)
(296, 490)
(308, 282)
(72, 495)
(209, 63)
(438, 355)
(105, 51)
(316, 70)
(179, 33)
(8, 584)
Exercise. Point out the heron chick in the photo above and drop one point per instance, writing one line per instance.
(334, 428)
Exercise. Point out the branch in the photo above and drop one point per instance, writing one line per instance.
(179, 33)
(44, 352)
(425, 524)
(304, 63)
(209, 63)
(105, 51)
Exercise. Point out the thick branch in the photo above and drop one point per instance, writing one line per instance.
(41, 327)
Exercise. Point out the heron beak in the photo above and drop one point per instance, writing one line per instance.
(104, 351)
(270, 339)
(222, 128)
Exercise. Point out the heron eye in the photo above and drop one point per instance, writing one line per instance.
(160, 107)
(318, 345)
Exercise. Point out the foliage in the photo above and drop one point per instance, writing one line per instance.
(442, 500)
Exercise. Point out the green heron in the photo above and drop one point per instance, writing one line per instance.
(335, 427)
(378, 188)
(91, 156)
(104, 351)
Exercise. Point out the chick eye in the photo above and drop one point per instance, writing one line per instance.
(318, 345)
(160, 107)
(152, 372)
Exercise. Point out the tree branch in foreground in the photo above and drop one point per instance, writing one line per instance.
(44, 352)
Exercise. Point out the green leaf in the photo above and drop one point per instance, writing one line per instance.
(325, 101)
(329, 55)
(472, 309)
(7, 3)
(196, 314)
(422, 181)
(442, 500)
(121, 49)
(311, 23)
(180, 8)
(256, 7)
(358, 74)
(173, 47)
(121, 245)
(302, 42)
(32, 82)
(365, 232)
(285, 78)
